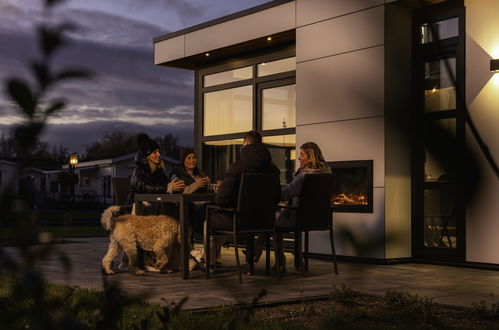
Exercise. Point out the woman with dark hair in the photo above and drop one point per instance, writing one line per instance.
(188, 171)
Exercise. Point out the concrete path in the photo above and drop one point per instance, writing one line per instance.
(446, 285)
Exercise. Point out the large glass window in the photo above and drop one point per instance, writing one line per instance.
(228, 76)
(279, 107)
(228, 111)
(443, 30)
(236, 101)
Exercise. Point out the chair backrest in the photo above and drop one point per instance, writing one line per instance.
(315, 202)
(121, 186)
(256, 201)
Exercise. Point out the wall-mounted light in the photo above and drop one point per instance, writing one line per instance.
(494, 65)
(207, 54)
(269, 38)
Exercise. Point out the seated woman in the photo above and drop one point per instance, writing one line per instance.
(311, 162)
(187, 171)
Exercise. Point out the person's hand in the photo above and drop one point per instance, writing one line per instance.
(219, 184)
(178, 185)
(208, 180)
(146, 204)
(201, 182)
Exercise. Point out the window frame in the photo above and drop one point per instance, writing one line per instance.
(253, 59)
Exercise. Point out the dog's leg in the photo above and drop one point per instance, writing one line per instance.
(112, 251)
(161, 256)
(131, 251)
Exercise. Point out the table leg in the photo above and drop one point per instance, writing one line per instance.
(184, 234)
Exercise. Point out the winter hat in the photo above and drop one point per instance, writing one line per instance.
(146, 145)
(184, 152)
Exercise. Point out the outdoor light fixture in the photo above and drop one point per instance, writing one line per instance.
(73, 159)
(494, 65)
(207, 54)
(269, 38)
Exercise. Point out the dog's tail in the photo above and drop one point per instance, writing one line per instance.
(106, 218)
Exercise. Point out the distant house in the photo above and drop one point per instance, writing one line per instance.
(94, 177)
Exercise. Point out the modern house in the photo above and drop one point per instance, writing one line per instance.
(364, 79)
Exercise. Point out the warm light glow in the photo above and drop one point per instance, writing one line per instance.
(434, 90)
(73, 159)
(269, 38)
(207, 54)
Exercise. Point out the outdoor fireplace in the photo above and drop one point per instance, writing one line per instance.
(352, 186)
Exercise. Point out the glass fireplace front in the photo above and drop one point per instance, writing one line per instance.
(352, 186)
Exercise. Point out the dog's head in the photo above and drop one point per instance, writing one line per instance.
(106, 218)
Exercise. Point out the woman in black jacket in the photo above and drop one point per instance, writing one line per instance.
(149, 176)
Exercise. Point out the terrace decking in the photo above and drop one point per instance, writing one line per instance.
(446, 285)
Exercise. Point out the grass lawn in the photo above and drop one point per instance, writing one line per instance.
(344, 310)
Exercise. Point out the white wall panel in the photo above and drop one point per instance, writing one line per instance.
(260, 24)
(365, 227)
(349, 140)
(311, 11)
(169, 50)
(341, 87)
(343, 34)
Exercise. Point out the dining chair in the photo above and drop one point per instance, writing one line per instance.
(253, 214)
(314, 213)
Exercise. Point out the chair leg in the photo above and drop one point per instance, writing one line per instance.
(333, 250)
(250, 250)
(267, 254)
(238, 265)
(297, 243)
(207, 246)
(277, 255)
(306, 251)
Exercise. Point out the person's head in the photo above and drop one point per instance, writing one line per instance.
(252, 137)
(311, 156)
(188, 158)
(149, 148)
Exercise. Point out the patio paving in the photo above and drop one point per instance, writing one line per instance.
(446, 285)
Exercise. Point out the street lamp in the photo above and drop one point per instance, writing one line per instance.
(73, 160)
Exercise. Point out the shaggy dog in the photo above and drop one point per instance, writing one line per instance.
(159, 234)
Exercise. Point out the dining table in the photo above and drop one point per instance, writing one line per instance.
(182, 201)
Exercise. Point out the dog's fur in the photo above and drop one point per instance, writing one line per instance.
(159, 234)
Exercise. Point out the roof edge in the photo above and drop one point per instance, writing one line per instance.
(222, 19)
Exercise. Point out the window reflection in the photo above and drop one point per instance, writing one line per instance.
(218, 155)
(228, 76)
(440, 93)
(282, 148)
(228, 111)
(439, 218)
(442, 30)
(284, 65)
(279, 107)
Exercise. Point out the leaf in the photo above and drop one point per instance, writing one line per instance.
(21, 93)
(54, 107)
(42, 74)
(50, 39)
(73, 73)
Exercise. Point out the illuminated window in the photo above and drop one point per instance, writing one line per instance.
(228, 111)
(279, 107)
(228, 76)
(273, 67)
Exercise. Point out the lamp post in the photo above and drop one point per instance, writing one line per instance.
(73, 160)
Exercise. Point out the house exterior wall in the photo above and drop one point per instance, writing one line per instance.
(482, 98)
(340, 101)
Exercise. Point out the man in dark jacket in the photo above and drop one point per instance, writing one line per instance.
(254, 157)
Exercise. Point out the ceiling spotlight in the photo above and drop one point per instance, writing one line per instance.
(269, 38)
(206, 54)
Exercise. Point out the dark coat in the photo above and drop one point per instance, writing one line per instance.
(144, 181)
(182, 174)
(253, 158)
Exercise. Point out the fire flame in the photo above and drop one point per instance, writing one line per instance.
(349, 199)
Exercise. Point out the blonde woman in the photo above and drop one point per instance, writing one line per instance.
(311, 162)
